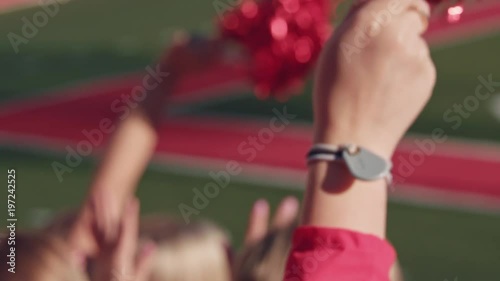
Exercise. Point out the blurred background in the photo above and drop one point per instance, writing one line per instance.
(62, 66)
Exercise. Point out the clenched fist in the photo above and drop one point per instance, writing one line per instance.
(375, 76)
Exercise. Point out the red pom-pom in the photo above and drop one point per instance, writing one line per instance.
(283, 38)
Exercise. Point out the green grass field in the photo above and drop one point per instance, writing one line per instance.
(83, 42)
(92, 39)
(433, 244)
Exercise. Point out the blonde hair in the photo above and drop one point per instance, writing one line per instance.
(266, 259)
(39, 257)
(187, 252)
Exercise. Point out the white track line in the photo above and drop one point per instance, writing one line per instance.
(294, 180)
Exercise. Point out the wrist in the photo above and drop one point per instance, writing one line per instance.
(381, 144)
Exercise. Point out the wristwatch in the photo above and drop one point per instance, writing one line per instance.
(362, 163)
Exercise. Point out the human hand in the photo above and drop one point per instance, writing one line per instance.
(120, 260)
(374, 79)
(258, 219)
(100, 210)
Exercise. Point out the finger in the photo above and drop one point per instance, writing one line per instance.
(144, 262)
(415, 18)
(129, 232)
(110, 225)
(107, 224)
(258, 222)
(404, 5)
(97, 224)
(410, 36)
(423, 9)
(386, 12)
(286, 213)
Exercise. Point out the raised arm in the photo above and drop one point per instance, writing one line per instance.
(133, 144)
(368, 93)
(121, 168)
(374, 78)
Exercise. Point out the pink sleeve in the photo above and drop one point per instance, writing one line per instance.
(325, 254)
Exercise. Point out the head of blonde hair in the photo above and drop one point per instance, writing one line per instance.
(187, 252)
(38, 257)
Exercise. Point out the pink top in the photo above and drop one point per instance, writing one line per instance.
(326, 254)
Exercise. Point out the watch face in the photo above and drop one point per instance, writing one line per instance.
(366, 165)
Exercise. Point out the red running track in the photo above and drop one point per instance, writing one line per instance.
(12, 4)
(464, 169)
(58, 120)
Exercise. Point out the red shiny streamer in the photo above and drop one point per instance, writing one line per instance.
(284, 39)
